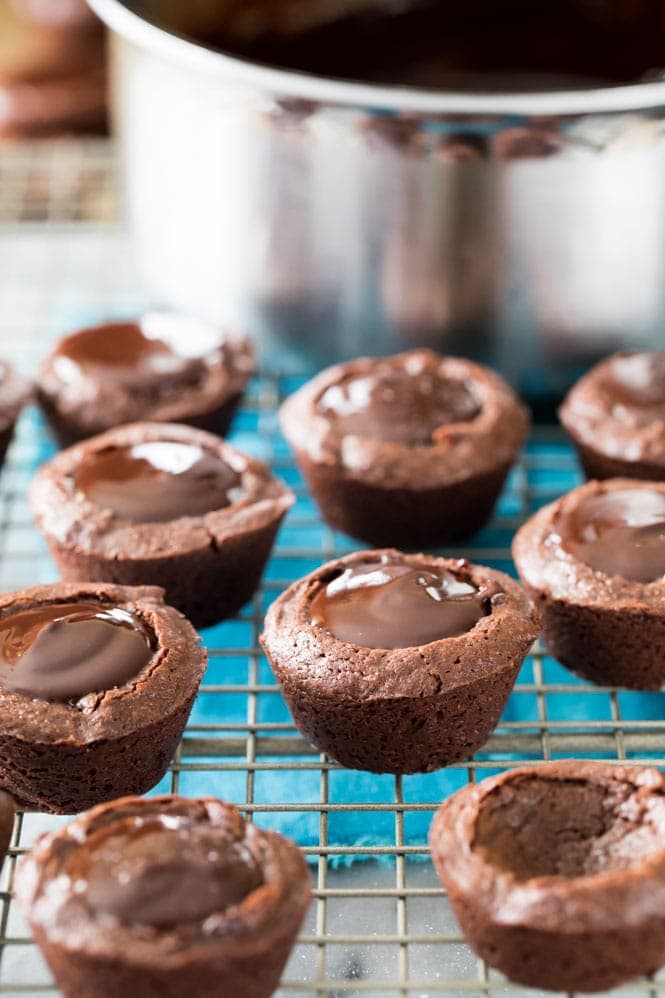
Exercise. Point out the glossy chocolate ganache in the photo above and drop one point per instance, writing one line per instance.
(158, 481)
(448, 44)
(620, 532)
(391, 604)
(63, 651)
(159, 348)
(162, 871)
(397, 405)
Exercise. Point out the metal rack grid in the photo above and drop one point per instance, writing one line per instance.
(379, 925)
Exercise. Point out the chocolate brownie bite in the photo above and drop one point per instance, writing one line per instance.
(411, 450)
(162, 504)
(594, 564)
(398, 663)
(556, 873)
(96, 685)
(615, 416)
(15, 392)
(167, 897)
(162, 367)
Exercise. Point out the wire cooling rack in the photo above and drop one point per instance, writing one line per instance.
(379, 925)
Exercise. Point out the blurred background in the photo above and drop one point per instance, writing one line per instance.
(52, 69)
(345, 177)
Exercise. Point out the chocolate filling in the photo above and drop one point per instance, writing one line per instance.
(388, 604)
(621, 532)
(567, 828)
(162, 872)
(64, 651)
(133, 354)
(637, 382)
(394, 405)
(158, 481)
(471, 45)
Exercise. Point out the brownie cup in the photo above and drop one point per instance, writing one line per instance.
(15, 392)
(96, 685)
(398, 663)
(163, 367)
(594, 564)
(162, 504)
(557, 872)
(615, 416)
(166, 897)
(411, 450)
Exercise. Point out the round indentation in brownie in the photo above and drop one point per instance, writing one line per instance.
(125, 352)
(63, 651)
(162, 504)
(391, 604)
(96, 685)
(164, 896)
(162, 366)
(158, 481)
(557, 873)
(615, 416)
(362, 691)
(410, 450)
(162, 871)
(565, 828)
(621, 532)
(594, 563)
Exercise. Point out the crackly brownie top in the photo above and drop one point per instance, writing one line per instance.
(412, 418)
(149, 879)
(152, 489)
(386, 623)
(162, 366)
(601, 544)
(618, 408)
(545, 844)
(79, 660)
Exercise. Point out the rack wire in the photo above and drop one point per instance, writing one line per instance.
(380, 925)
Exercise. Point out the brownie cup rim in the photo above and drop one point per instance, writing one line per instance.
(71, 521)
(301, 652)
(462, 453)
(218, 384)
(171, 676)
(546, 566)
(287, 888)
(605, 901)
(589, 422)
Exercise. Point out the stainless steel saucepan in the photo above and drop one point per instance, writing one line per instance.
(335, 218)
